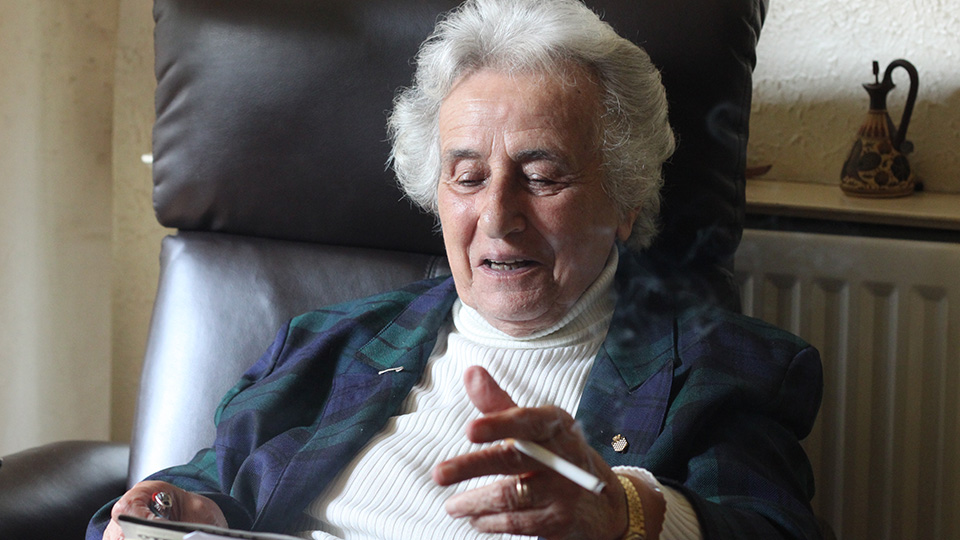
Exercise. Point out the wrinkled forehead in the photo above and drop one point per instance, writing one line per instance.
(489, 100)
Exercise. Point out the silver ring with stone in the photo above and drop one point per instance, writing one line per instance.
(160, 504)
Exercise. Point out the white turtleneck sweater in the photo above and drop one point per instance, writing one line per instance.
(387, 491)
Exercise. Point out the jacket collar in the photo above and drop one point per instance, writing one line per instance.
(628, 390)
(415, 328)
(642, 336)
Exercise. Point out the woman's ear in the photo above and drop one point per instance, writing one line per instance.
(626, 224)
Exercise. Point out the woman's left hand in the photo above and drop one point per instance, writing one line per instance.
(554, 506)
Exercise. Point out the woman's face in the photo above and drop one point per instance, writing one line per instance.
(526, 222)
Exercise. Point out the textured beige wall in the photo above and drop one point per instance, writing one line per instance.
(56, 115)
(808, 99)
(136, 233)
(78, 240)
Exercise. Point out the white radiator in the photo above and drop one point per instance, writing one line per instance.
(885, 315)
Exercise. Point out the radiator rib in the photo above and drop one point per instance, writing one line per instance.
(884, 314)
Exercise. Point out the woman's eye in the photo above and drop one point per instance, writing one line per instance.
(542, 180)
(543, 184)
(468, 180)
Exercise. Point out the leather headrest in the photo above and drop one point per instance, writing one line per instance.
(271, 116)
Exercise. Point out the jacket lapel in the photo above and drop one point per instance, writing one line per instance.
(628, 390)
(365, 394)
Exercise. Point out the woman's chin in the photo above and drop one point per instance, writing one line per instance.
(517, 321)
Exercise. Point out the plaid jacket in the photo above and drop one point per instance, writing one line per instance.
(713, 403)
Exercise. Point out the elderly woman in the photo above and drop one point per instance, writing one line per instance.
(536, 135)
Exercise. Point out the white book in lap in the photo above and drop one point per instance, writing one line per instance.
(148, 529)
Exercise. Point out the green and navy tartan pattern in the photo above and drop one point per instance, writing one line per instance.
(712, 402)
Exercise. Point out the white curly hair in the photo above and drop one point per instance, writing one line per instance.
(543, 36)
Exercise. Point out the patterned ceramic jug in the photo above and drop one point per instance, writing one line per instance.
(877, 166)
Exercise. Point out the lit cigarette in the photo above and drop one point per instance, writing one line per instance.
(557, 463)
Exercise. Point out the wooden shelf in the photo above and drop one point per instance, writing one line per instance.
(828, 202)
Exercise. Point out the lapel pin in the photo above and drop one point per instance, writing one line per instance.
(391, 370)
(620, 443)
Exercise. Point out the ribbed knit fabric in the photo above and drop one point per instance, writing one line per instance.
(387, 491)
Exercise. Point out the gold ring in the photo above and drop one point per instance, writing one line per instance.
(523, 492)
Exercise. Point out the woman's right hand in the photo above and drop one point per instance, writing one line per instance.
(187, 506)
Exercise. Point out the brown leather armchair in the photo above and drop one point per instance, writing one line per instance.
(269, 158)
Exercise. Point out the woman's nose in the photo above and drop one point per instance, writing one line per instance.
(502, 211)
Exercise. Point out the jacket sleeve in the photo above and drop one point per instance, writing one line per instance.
(749, 476)
(205, 473)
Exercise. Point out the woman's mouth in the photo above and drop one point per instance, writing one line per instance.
(514, 264)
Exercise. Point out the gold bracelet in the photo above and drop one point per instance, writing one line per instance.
(635, 521)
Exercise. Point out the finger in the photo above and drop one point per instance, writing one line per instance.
(498, 508)
(493, 498)
(550, 522)
(131, 507)
(555, 510)
(113, 532)
(139, 500)
(484, 392)
(132, 504)
(533, 424)
(199, 509)
(499, 459)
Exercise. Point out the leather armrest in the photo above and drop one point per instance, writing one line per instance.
(52, 491)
